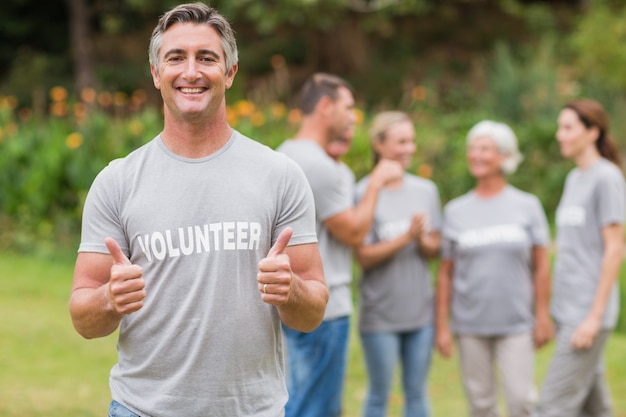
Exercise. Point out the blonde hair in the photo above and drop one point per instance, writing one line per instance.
(381, 124)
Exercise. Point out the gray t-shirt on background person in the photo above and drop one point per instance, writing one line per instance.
(490, 241)
(397, 294)
(333, 194)
(204, 342)
(591, 199)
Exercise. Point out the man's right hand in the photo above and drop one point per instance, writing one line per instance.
(386, 171)
(126, 288)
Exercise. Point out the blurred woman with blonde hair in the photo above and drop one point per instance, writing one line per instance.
(395, 292)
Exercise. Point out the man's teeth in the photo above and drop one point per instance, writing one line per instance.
(192, 90)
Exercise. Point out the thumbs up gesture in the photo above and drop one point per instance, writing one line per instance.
(126, 286)
(275, 275)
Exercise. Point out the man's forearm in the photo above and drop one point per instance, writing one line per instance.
(92, 314)
(306, 307)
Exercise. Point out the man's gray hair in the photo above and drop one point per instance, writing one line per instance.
(198, 13)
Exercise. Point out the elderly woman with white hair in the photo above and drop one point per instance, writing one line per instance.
(493, 279)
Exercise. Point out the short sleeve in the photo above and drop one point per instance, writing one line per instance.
(610, 199)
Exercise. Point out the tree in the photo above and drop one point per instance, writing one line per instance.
(81, 44)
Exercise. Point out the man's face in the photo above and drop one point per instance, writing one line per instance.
(341, 116)
(191, 72)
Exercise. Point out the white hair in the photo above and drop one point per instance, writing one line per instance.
(505, 140)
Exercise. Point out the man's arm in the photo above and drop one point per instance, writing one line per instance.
(351, 226)
(105, 288)
(292, 279)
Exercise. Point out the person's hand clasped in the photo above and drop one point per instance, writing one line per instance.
(275, 276)
(418, 226)
(126, 288)
(585, 334)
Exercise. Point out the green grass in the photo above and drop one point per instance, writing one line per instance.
(46, 369)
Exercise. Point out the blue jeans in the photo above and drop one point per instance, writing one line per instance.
(316, 364)
(118, 410)
(382, 352)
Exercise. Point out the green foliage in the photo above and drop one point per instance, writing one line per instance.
(49, 164)
(526, 91)
(598, 44)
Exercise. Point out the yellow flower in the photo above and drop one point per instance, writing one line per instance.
(120, 99)
(294, 116)
(80, 111)
(278, 110)
(105, 99)
(58, 94)
(425, 171)
(88, 95)
(257, 119)
(245, 108)
(136, 127)
(359, 116)
(58, 109)
(138, 98)
(8, 102)
(231, 115)
(419, 93)
(74, 140)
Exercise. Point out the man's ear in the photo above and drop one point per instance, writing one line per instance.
(156, 80)
(324, 105)
(230, 75)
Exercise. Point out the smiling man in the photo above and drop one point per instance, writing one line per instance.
(197, 246)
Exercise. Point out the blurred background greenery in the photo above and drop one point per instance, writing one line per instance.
(75, 89)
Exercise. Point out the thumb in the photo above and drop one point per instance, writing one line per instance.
(281, 242)
(116, 252)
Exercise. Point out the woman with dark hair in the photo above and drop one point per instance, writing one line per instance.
(590, 248)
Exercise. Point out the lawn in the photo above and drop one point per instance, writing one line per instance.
(46, 369)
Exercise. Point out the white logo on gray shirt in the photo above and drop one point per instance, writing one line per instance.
(201, 238)
(504, 233)
(571, 216)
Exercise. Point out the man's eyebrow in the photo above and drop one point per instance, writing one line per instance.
(173, 52)
(178, 51)
(209, 52)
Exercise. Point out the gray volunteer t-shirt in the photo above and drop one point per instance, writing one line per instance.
(592, 199)
(204, 343)
(332, 184)
(397, 294)
(490, 241)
